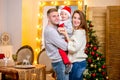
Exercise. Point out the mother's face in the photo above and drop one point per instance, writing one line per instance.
(76, 20)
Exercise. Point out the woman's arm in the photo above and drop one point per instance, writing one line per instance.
(77, 42)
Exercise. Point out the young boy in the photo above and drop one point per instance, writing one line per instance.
(65, 15)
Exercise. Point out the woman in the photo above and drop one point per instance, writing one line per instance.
(76, 45)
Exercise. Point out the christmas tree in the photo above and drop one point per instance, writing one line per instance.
(96, 67)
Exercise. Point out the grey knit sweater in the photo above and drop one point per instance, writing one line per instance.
(53, 42)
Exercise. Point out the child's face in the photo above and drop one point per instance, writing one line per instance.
(64, 15)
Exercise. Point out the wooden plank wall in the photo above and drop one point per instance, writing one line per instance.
(113, 42)
(98, 17)
(106, 21)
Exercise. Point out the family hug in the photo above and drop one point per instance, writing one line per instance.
(65, 38)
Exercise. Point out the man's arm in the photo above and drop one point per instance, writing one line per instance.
(55, 38)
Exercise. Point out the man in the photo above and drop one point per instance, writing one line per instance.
(53, 41)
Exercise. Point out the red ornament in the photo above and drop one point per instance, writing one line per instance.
(103, 73)
(95, 48)
(90, 60)
(93, 74)
(90, 25)
(86, 51)
(103, 66)
(97, 55)
(102, 57)
(87, 45)
(92, 53)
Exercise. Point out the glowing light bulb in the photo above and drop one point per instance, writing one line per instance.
(38, 26)
(43, 3)
(68, 2)
(39, 15)
(36, 50)
(85, 2)
(65, 2)
(52, 2)
(80, 3)
(55, 3)
(37, 38)
(35, 62)
(40, 3)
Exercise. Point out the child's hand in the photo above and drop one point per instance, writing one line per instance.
(62, 30)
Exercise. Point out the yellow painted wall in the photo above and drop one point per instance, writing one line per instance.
(30, 10)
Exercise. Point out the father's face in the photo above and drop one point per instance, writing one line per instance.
(54, 18)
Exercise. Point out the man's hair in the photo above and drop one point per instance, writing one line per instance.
(51, 10)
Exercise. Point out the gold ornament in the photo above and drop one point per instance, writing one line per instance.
(95, 66)
(84, 79)
(96, 78)
(98, 58)
(91, 65)
(107, 77)
(99, 69)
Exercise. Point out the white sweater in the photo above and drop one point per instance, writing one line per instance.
(76, 46)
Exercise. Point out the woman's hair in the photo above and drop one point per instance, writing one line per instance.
(83, 24)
